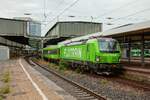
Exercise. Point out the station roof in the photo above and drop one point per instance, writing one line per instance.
(68, 22)
(16, 31)
(129, 29)
(139, 27)
(14, 19)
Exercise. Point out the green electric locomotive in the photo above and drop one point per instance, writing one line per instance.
(101, 55)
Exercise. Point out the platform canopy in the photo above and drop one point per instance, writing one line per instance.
(15, 32)
(130, 29)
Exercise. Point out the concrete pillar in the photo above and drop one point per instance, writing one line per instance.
(42, 41)
(129, 49)
(142, 50)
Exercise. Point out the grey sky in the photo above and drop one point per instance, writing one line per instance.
(139, 10)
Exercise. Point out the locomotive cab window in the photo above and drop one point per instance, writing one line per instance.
(106, 45)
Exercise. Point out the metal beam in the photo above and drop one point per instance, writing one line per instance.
(129, 49)
(142, 50)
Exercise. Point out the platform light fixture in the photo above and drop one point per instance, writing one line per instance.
(109, 18)
(109, 23)
(71, 16)
(27, 14)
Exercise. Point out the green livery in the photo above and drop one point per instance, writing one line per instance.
(91, 51)
(51, 52)
(137, 52)
(98, 54)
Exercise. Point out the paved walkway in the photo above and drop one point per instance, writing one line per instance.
(28, 84)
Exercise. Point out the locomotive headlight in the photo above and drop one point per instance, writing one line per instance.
(97, 58)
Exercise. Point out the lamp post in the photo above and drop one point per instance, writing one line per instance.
(42, 45)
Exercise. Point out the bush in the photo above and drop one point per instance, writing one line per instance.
(6, 77)
(104, 82)
(63, 65)
(78, 70)
(1, 98)
(5, 89)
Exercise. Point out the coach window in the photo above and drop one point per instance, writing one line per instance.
(135, 52)
(147, 50)
(52, 51)
(45, 51)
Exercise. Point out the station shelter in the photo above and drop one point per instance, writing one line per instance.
(134, 40)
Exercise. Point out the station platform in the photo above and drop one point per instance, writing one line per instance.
(28, 84)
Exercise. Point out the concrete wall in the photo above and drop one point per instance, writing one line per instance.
(12, 27)
(4, 53)
(75, 29)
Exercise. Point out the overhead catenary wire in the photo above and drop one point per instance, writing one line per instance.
(116, 9)
(106, 13)
(63, 11)
(59, 4)
(141, 11)
(44, 9)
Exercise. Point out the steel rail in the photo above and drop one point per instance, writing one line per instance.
(92, 93)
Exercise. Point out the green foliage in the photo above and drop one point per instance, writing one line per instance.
(78, 70)
(5, 89)
(1, 98)
(103, 82)
(52, 65)
(6, 77)
(63, 65)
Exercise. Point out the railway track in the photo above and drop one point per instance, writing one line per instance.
(122, 80)
(132, 83)
(137, 70)
(80, 92)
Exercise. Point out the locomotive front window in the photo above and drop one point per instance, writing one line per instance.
(109, 46)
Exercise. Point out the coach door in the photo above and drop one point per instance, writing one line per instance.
(88, 52)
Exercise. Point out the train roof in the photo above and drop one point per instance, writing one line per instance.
(81, 38)
(84, 41)
(51, 47)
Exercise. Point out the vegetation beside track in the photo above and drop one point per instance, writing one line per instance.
(64, 67)
(107, 86)
(135, 77)
(5, 84)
